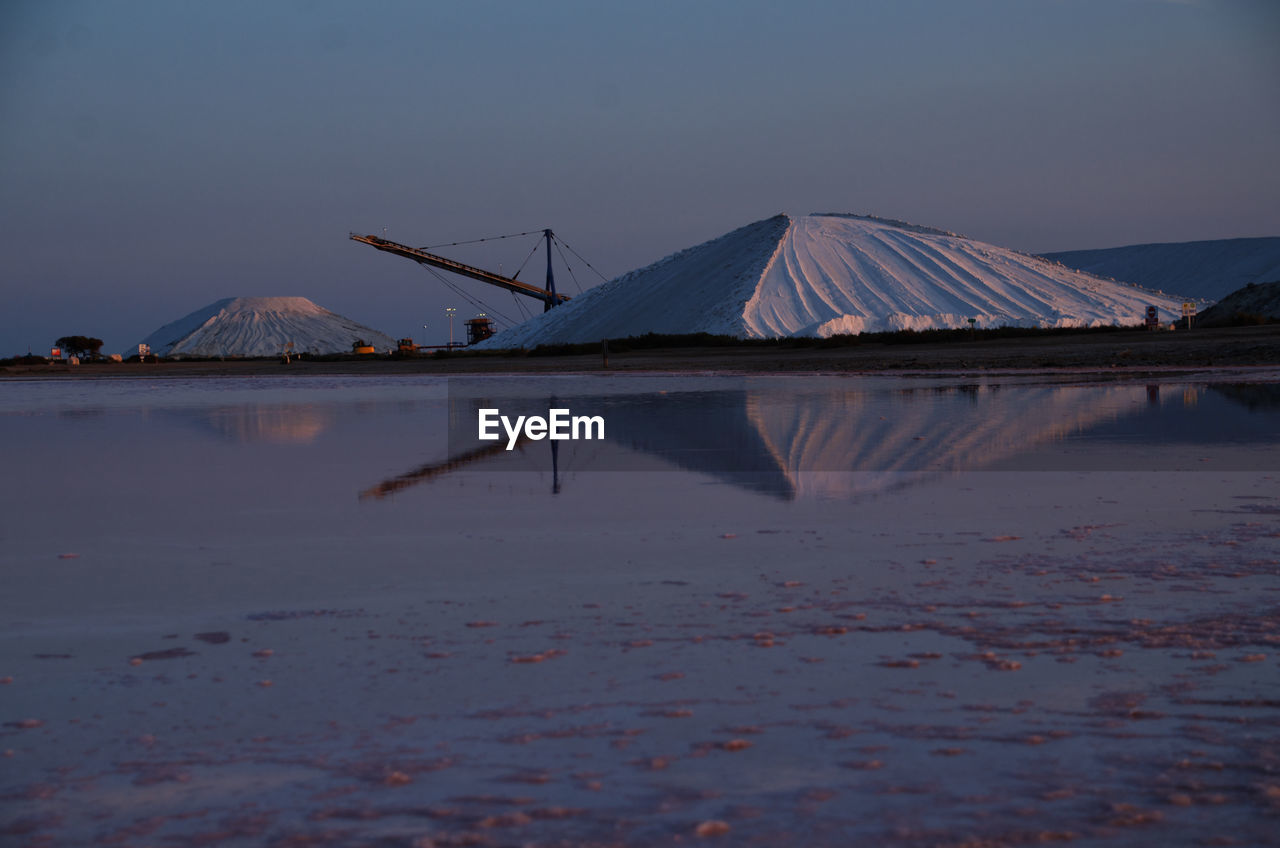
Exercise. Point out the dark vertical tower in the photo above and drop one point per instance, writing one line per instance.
(551, 280)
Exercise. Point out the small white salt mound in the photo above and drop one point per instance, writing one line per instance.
(262, 326)
(823, 275)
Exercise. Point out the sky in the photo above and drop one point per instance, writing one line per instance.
(157, 155)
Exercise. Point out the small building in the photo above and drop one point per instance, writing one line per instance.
(479, 328)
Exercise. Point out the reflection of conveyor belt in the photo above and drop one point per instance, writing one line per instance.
(437, 469)
(703, 432)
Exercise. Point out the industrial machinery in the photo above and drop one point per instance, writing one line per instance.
(548, 295)
(479, 328)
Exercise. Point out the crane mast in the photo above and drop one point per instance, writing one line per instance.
(547, 295)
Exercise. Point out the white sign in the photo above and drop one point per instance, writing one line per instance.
(559, 425)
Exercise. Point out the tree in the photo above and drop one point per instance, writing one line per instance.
(82, 346)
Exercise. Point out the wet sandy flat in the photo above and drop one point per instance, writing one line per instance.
(224, 644)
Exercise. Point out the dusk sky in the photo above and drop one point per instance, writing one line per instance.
(158, 156)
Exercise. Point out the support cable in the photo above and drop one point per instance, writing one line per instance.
(477, 241)
(561, 247)
(568, 267)
(524, 313)
(478, 304)
(516, 275)
(583, 261)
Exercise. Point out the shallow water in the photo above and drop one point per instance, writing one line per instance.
(907, 611)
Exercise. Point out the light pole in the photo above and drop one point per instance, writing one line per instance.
(449, 310)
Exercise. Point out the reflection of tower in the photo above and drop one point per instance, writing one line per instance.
(555, 468)
(552, 402)
(1153, 395)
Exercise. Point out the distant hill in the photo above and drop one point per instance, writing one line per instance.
(829, 274)
(1206, 270)
(1254, 304)
(261, 326)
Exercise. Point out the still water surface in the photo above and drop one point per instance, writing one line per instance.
(815, 609)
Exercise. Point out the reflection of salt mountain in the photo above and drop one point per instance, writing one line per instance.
(957, 428)
(806, 442)
(707, 432)
(279, 424)
(1253, 396)
(273, 424)
(792, 441)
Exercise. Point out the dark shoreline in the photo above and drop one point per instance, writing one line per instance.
(1129, 350)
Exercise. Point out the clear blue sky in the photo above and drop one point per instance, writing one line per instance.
(156, 156)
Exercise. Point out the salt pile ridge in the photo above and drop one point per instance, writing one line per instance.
(1256, 300)
(1202, 269)
(262, 326)
(823, 275)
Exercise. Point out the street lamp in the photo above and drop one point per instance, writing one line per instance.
(449, 310)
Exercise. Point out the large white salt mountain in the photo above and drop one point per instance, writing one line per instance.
(1209, 270)
(823, 275)
(261, 326)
